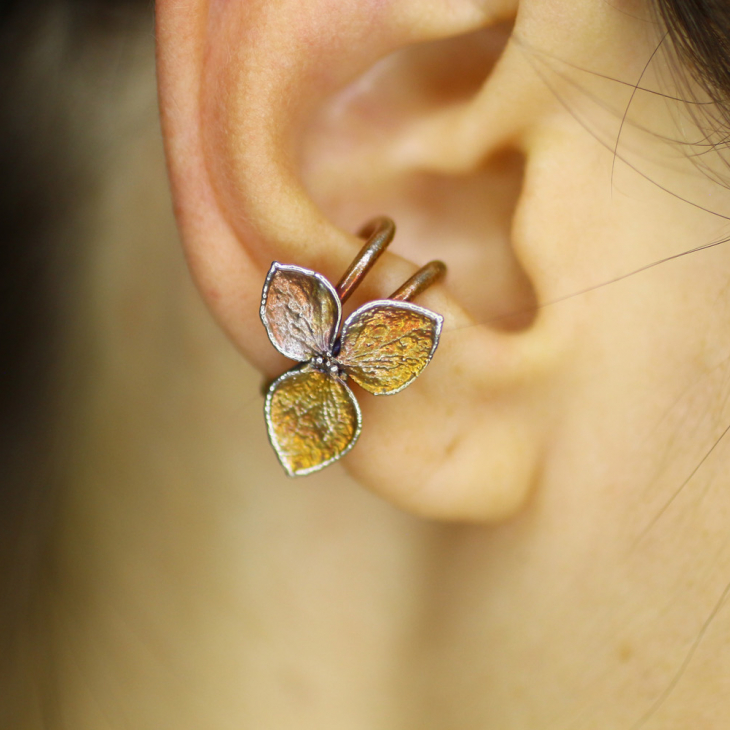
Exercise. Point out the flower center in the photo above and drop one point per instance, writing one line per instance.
(328, 365)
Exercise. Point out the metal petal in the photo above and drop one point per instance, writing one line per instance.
(313, 419)
(386, 344)
(300, 310)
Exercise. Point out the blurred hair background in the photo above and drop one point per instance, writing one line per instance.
(76, 81)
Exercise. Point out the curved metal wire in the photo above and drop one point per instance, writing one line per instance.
(379, 233)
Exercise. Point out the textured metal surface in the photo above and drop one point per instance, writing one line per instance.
(300, 310)
(385, 344)
(312, 418)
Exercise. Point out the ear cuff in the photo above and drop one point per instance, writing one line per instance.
(312, 415)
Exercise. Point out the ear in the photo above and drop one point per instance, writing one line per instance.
(287, 124)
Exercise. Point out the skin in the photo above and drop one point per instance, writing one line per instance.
(510, 545)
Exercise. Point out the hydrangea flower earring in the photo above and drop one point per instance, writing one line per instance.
(312, 415)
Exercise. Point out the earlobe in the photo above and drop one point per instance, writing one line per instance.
(241, 88)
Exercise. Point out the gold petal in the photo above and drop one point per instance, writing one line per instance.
(386, 344)
(313, 419)
(300, 310)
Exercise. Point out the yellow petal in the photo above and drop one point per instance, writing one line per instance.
(386, 344)
(313, 419)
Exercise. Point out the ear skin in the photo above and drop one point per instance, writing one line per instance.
(239, 85)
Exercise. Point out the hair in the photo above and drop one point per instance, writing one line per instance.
(700, 34)
(48, 50)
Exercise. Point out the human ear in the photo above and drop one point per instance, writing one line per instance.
(281, 121)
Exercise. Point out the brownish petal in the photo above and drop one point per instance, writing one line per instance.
(300, 310)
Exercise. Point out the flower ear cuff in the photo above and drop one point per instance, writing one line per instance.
(312, 416)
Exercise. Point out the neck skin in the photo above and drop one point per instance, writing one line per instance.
(195, 586)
